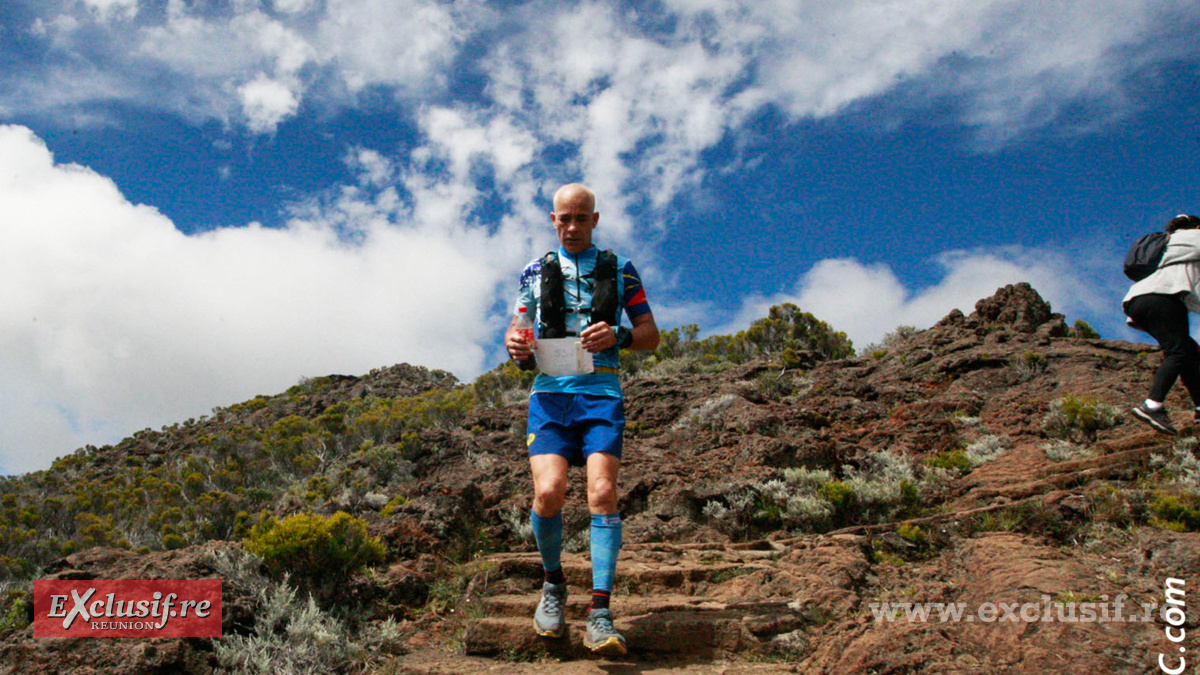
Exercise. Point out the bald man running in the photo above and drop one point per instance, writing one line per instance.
(578, 420)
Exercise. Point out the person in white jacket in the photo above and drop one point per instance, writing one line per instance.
(1159, 305)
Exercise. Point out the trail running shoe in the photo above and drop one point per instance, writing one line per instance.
(550, 618)
(1159, 419)
(601, 638)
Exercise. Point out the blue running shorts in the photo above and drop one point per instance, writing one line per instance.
(575, 425)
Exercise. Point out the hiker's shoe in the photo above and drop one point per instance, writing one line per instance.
(1159, 419)
(601, 638)
(550, 618)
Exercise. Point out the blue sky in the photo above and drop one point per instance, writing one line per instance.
(206, 200)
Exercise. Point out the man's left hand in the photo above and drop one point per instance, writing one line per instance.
(598, 337)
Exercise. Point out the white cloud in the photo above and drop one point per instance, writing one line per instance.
(637, 98)
(867, 301)
(195, 59)
(266, 103)
(293, 6)
(398, 43)
(1011, 66)
(108, 8)
(373, 168)
(623, 100)
(112, 320)
(464, 140)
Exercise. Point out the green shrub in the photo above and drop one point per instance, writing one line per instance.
(1175, 512)
(839, 494)
(256, 403)
(787, 327)
(1058, 450)
(883, 487)
(290, 636)
(1084, 330)
(889, 342)
(787, 335)
(492, 388)
(985, 449)
(773, 385)
(396, 502)
(1180, 465)
(912, 533)
(1079, 418)
(950, 459)
(310, 546)
(16, 617)
(1029, 365)
(173, 541)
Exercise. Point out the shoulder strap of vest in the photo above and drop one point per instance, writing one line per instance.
(604, 296)
(552, 322)
(553, 311)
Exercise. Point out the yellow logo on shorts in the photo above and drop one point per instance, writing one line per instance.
(529, 441)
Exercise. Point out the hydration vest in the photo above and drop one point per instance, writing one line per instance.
(552, 322)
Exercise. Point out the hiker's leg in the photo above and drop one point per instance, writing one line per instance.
(1165, 318)
(1190, 374)
(602, 469)
(549, 492)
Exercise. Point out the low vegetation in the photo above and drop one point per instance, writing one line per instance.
(331, 480)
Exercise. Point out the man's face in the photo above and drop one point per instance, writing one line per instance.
(574, 219)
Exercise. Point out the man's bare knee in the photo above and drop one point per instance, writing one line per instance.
(549, 484)
(549, 496)
(602, 496)
(602, 470)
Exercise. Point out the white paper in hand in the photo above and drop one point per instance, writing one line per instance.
(563, 356)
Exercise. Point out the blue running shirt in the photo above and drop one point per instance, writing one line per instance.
(578, 286)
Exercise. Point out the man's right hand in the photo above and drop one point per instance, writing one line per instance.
(518, 347)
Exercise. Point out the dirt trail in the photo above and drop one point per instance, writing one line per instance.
(695, 608)
(804, 604)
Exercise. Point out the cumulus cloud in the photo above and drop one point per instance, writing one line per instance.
(293, 6)
(100, 294)
(644, 90)
(634, 97)
(646, 94)
(197, 60)
(640, 109)
(112, 320)
(1010, 67)
(396, 43)
(109, 8)
(868, 300)
(266, 103)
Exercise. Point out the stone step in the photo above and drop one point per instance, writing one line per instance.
(686, 634)
(677, 572)
(577, 604)
(431, 661)
(762, 618)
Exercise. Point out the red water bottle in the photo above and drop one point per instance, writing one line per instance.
(525, 329)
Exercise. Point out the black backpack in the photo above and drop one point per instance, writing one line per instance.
(554, 310)
(1145, 256)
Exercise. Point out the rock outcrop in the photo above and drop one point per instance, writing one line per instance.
(770, 513)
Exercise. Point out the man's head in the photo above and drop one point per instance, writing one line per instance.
(574, 217)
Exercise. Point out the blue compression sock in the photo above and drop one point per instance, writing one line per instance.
(548, 534)
(606, 543)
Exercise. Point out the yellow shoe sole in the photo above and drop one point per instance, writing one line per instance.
(547, 633)
(610, 647)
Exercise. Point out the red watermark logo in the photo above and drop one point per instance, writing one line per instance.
(127, 608)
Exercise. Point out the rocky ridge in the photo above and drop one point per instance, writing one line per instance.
(736, 561)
